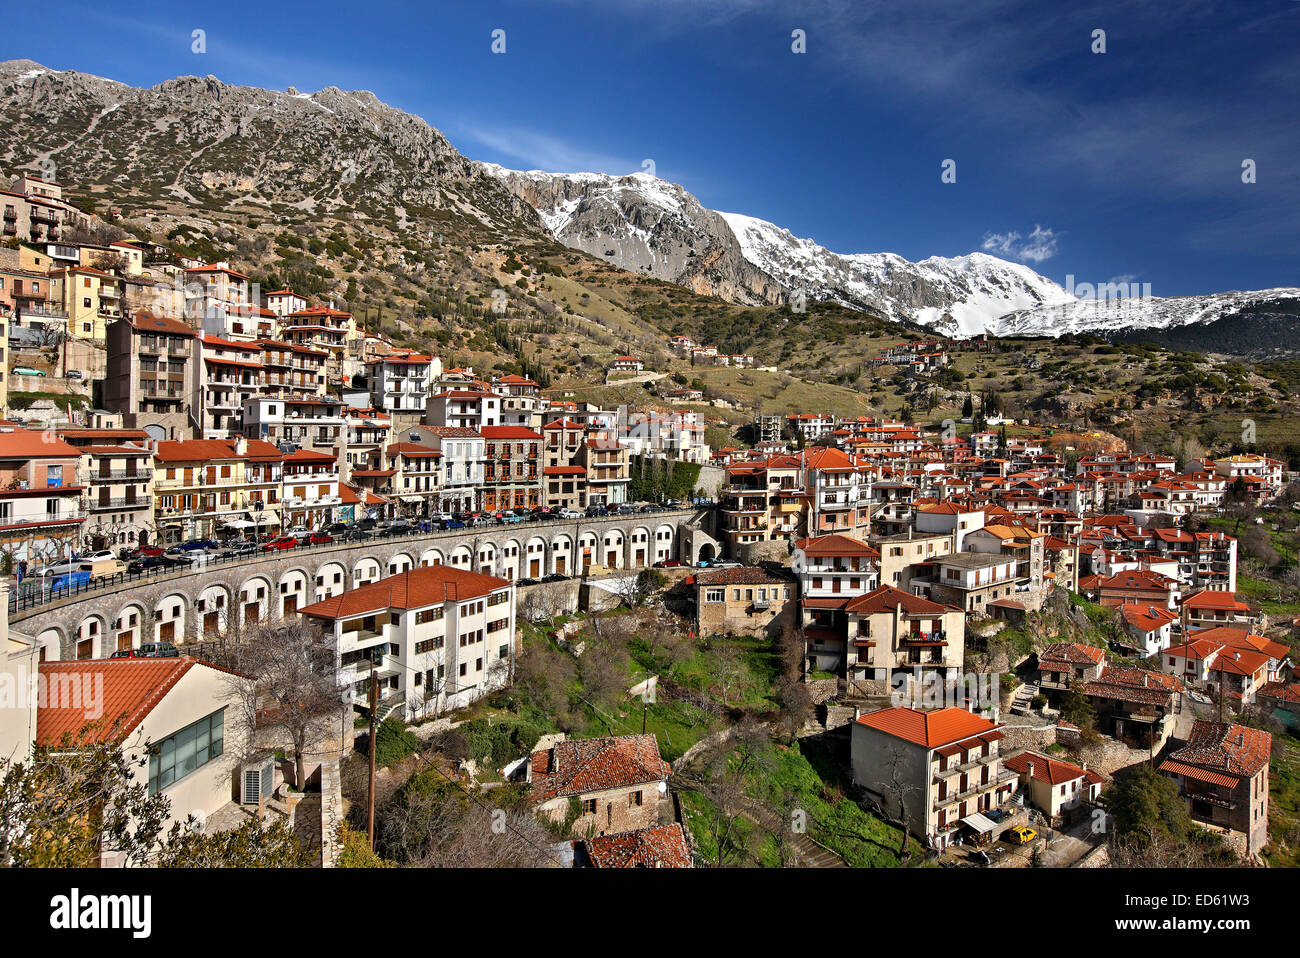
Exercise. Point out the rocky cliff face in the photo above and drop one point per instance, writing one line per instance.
(657, 228)
(217, 147)
(645, 225)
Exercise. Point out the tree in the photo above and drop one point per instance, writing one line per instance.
(64, 806)
(796, 702)
(900, 789)
(285, 682)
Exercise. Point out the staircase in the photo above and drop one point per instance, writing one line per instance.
(389, 705)
(1024, 698)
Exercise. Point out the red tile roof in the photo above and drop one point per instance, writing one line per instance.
(29, 444)
(412, 589)
(660, 846)
(1050, 770)
(836, 545)
(930, 729)
(509, 432)
(146, 322)
(1229, 749)
(887, 598)
(207, 450)
(595, 765)
(131, 688)
(1215, 599)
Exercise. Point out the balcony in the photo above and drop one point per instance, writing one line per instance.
(101, 505)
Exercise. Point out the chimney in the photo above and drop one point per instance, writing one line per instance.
(1031, 769)
(241, 446)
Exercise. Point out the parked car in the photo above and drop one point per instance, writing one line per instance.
(1020, 835)
(337, 528)
(73, 374)
(154, 564)
(280, 543)
(61, 568)
(509, 518)
(150, 650)
(99, 555)
(27, 371)
(355, 534)
(569, 514)
(241, 548)
(319, 538)
(193, 544)
(668, 563)
(453, 524)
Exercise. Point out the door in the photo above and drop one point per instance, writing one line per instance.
(167, 632)
(559, 565)
(211, 623)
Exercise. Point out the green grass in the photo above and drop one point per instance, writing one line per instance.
(1284, 807)
(1264, 593)
(832, 819)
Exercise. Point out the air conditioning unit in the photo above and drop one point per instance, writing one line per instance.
(257, 778)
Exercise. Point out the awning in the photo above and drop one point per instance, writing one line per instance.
(265, 518)
(239, 524)
(979, 823)
(415, 499)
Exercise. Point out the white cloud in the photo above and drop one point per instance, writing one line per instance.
(531, 149)
(1038, 246)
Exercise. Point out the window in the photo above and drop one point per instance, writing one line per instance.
(589, 806)
(634, 799)
(715, 595)
(188, 750)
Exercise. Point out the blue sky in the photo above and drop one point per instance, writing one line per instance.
(1123, 164)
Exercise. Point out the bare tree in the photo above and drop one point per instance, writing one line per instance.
(286, 683)
(546, 601)
(900, 789)
(797, 704)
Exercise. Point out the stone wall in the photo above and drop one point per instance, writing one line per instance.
(331, 811)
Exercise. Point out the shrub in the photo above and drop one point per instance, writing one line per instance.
(393, 742)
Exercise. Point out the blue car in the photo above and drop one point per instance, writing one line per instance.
(450, 524)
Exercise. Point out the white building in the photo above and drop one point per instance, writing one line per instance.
(443, 637)
(401, 382)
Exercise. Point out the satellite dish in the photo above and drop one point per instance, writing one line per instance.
(663, 787)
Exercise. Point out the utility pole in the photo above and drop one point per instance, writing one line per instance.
(370, 791)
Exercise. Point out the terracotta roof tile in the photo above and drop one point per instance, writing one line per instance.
(593, 765)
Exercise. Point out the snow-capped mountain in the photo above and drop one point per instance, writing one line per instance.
(1149, 313)
(657, 228)
(958, 296)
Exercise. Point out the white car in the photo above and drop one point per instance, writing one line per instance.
(101, 555)
(569, 514)
(61, 568)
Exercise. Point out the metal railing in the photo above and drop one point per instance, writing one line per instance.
(32, 593)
